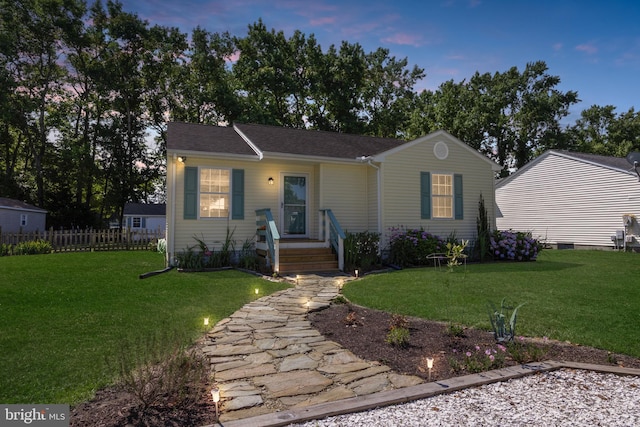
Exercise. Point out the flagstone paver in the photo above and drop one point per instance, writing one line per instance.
(267, 357)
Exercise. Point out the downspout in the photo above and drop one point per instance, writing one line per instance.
(379, 195)
(378, 189)
(172, 229)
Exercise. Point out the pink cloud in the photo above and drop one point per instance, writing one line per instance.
(404, 39)
(322, 21)
(587, 48)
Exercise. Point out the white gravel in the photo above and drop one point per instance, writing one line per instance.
(563, 397)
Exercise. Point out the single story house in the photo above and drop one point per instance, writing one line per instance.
(569, 200)
(17, 216)
(145, 217)
(299, 188)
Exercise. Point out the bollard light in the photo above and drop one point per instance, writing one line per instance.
(429, 366)
(356, 273)
(206, 321)
(257, 291)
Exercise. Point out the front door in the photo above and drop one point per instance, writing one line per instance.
(293, 212)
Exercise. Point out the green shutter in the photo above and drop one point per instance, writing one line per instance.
(237, 194)
(457, 197)
(190, 193)
(425, 195)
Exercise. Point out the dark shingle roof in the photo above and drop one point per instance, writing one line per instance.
(274, 140)
(145, 209)
(205, 138)
(607, 161)
(5, 202)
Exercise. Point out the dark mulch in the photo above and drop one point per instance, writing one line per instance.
(361, 330)
(366, 338)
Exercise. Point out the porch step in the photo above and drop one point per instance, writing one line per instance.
(306, 260)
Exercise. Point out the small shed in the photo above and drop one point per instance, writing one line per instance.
(17, 216)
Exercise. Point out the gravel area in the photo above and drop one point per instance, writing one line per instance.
(557, 398)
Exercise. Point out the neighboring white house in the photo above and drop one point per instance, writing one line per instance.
(222, 179)
(16, 216)
(145, 217)
(572, 200)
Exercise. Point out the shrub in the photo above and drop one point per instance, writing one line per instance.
(522, 351)
(32, 247)
(361, 250)
(411, 247)
(398, 335)
(514, 246)
(158, 380)
(5, 249)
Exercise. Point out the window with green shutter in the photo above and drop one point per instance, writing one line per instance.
(457, 196)
(425, 195)
(441, 196)
(237, 194)
(190, 193)
(213, 193)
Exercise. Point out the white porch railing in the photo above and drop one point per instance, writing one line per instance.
(268, 229)
(332, 233)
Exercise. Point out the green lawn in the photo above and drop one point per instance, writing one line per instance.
(65, 317)
(586, 297)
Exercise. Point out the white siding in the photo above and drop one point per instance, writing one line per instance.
(258, 194)
(344, 191)
(568, 201)
(401, 187)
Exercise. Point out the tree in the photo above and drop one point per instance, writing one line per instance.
(388, 92)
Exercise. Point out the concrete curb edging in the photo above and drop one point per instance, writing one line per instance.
(421, 391)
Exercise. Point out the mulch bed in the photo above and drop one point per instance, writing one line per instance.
(361, 330)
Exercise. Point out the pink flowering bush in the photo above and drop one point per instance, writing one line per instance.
(514, 246)
(478, 359)
(410, 247)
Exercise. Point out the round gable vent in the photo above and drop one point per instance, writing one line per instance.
(441, 150)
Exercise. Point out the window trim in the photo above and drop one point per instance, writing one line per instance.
(448, 197)
(228, 193)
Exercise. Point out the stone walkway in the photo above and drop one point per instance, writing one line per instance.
(267, 357)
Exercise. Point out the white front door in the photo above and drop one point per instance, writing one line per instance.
(293, 208)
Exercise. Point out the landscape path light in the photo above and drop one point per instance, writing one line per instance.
(429, 366)
(215, 396)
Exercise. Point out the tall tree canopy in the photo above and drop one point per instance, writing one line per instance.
(86, 91)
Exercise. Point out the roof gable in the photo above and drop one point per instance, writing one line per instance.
(440, 134)
(618, 164)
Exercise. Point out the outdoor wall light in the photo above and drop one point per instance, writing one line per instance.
(270, 180)
(182, 159)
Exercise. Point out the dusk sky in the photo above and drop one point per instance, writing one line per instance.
(593, 46)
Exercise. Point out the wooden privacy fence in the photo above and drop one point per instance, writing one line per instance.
(88, 239)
